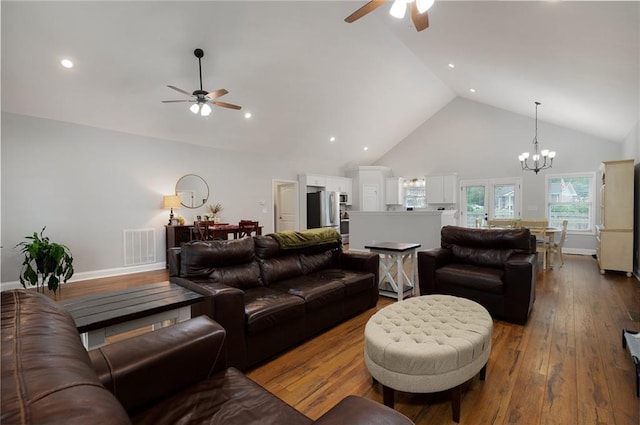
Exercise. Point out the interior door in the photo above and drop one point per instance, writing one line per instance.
(370, 197)
(286, 206)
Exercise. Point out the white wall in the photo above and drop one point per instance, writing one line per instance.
(87, 185)
(479, 141)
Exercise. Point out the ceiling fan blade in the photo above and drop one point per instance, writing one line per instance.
(180, 90)
(226, 105)
(420, 20)
(175, 101)
(216, 93)
(369, 7)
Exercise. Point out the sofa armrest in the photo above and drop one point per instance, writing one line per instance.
(149, 367)
(428, 262)
(225, 305)
(354, 410)
(520, 272)
(360, 261)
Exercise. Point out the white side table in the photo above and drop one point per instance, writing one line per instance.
(391, 253)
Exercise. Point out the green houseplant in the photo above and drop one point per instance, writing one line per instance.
(44, 262)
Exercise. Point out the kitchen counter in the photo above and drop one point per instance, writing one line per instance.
(371, 227)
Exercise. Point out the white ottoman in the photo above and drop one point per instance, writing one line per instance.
(428, 344)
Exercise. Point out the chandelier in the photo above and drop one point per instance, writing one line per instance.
(540, 160)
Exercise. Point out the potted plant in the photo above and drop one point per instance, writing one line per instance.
(44, 262)
(214, 210)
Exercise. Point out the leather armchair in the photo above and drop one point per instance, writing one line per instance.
(494, 267)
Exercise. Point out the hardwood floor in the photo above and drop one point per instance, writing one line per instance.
(566, 366)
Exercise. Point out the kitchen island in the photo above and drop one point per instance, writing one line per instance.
(371, 227)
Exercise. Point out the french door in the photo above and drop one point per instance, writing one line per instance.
(492, 198)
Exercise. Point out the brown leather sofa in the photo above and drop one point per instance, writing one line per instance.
(174, 375)
(495, 267)
(269, 298)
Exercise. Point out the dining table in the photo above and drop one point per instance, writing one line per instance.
(549, 239)
(223, 230)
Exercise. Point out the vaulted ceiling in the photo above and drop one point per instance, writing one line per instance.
(306, 75)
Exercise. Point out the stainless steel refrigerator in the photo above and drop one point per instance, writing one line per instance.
(323, 210)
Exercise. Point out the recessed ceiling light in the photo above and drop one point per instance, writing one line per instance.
(472, 90)
(332, 139)
(366, 148)
(247, 115)
(66, 63)
(451, 65)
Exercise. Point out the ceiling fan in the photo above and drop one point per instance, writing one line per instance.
(418, 8)
(202, 98)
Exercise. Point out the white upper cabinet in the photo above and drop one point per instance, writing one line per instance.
(442, 189)
(394, 193)
(316, 180)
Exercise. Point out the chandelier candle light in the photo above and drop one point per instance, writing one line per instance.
(546, 154)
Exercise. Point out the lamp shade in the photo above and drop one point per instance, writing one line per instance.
(171, 201)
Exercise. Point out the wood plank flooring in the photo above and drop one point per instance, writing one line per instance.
(566, 366)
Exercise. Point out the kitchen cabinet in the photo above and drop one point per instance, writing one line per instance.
(442, 189)
(394, 193)
(369, 183)
(342, 185)
(316, 180)
(615, 232)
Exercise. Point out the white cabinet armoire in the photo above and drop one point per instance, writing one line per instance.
(615, 232)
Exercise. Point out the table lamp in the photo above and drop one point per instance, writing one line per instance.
(171, 202)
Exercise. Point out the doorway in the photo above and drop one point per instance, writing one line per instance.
(285, 205)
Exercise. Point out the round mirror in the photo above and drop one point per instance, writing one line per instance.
(192, 190)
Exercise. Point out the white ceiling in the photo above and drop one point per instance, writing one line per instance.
(306, 75)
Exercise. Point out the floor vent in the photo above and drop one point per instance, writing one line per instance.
(139, 246)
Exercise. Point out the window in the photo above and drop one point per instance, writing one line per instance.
(571, 197)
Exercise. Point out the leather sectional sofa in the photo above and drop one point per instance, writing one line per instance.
(494, 267)
(173, 375)
(269, 297)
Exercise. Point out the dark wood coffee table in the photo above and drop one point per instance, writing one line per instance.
(99, 316)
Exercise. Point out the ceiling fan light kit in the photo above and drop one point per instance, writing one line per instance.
(202, 98)
(398, 10)
(545, 154)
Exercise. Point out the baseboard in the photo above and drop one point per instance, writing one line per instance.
(77, 277)
(578, 251)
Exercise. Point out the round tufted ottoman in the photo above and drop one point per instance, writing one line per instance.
(428, 344)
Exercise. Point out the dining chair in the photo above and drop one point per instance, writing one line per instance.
(538, 227)
(247, 228)
(502, 222)
(556, 248)
(202, 230)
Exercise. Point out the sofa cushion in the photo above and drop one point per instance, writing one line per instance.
(354, 282)
(315, 291)
(227, 397)
(482, 256)
(241, 276)
(230, 262)
(280, 268)
(485, 279)
(516, 239)
(266, 307)
(314, 262)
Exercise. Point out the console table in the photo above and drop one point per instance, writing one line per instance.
(395, 253)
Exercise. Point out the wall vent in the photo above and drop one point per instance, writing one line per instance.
(139, 246)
